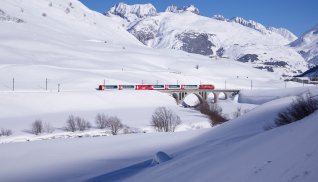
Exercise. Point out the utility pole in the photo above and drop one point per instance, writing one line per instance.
(13, 84)
(58, 87)
(225, 84)
(104, 82)
(251, 84)
(46, 84)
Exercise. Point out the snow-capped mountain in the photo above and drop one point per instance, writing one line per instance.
(266, 30)
(236, 39)
(133, 12)
(175, 9)
(283, 32)
(307, 45)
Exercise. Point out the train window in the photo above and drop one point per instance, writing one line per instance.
(111, 86)
(174, 86)
(191, 86)
(158, 86)
(128, 86)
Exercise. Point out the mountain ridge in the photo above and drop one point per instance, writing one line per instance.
(307, 46)
(239, 39)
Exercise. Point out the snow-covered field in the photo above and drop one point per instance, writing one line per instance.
(241, 148)
(78, 49)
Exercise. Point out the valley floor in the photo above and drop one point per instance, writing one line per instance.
(239, 150)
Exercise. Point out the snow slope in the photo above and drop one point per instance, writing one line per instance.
(43, 41)
(286, 153)
(307, 45)
(261, 28)
(236, 39)
(55, 46)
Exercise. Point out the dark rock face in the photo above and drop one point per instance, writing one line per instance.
(314, 60)
(276, 63)
(197, 43)
(220, 52)
(312, 72)
(248, 57)
(268, 68)
(315, 32)
(145, 30)
(5, 17)
(143, 36)
(303, 53)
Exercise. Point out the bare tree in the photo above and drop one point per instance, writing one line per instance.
(114, 124)
(101, 121)
(48, 128)
(77, 124)
(5, 132)
(213, 112)
(238, 112)
(37, 127)
(82, 124)
(300, 108)
(165, 120)
(67, 11)
(71, 124)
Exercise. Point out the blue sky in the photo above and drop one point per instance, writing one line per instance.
(296, 15)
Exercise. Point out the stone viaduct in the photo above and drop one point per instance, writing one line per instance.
(202, 94)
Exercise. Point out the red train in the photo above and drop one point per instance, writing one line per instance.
(155, 87)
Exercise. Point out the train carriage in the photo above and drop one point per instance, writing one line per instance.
(186, 87)
(127, 87)
(173, 87)
(144, 87)
(206, 86)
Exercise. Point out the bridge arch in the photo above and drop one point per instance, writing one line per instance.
(214, 96)
(223, 95)
(175, 96)
(197, 95)
(180, 96)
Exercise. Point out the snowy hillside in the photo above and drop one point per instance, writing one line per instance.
(287, 153)
(49, 46)
(77, 48)
(307, 46)
(238, 39)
